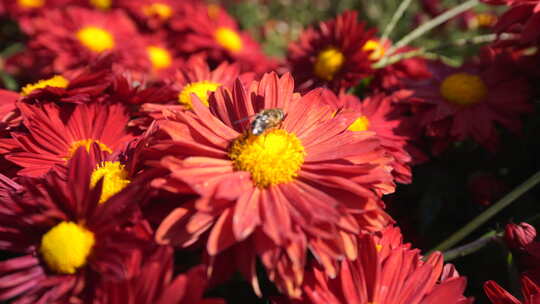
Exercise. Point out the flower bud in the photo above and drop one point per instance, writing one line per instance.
(517, 236)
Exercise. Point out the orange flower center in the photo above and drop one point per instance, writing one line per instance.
(31, 3)
(228, 39)
(272, 158)
(95, 39)
(360, 124)
(328, 63)
(162, 10)
(159, 57)
(86, 143)
(101, 4)
(115, 178)
(201, 89)
(463, 89)
(66, 247)
(375, 48)
(56, 81)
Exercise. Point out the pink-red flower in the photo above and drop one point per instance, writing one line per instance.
(66, 242)
(497, 294)
(52, 133)
(302, 185)
(155, 284)
(387, 272)
(390, 123)
(331, 54)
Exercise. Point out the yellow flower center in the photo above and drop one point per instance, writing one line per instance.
(96, 39)
(201, 89)
(87, 143)
(101, 4)
(163, 11)
(159, 57)
(328, 63)
(66, 247)
(272, 158)
(228, 39)
(115, 178)
(360, 124)
(31, 3)
(375, 48)
(463, 89)
(55, 81)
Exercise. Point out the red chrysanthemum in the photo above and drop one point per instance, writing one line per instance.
(387, 271)
(523, 18)
(196, 77)
(154, 284)
(331, 54)
(389, 121)
(67, 241)
(305, 184)
(73, 37)
(497, 294)
(54, 133)
(468, 102)
(211, 31)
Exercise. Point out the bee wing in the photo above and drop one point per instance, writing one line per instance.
(244, 119)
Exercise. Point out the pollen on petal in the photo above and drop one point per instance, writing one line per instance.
(200, 89)
(86, 143)
(56, 81)
(95, 39)
(115, 178)
(272, 158)
(463, 89)
(66, 247)
(228, 39)
(159, 57)
(328, 63)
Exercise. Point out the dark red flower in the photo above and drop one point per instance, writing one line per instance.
(469, 102)
(73, 37)
(522, 17)
(330, 54)
(68, 242)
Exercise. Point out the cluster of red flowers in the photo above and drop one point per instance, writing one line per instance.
(150, 130)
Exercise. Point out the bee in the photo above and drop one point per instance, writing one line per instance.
(265, 119)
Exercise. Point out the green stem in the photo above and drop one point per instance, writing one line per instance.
(471, 247)
(489, 213)
(428, 26)
(395, 18)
